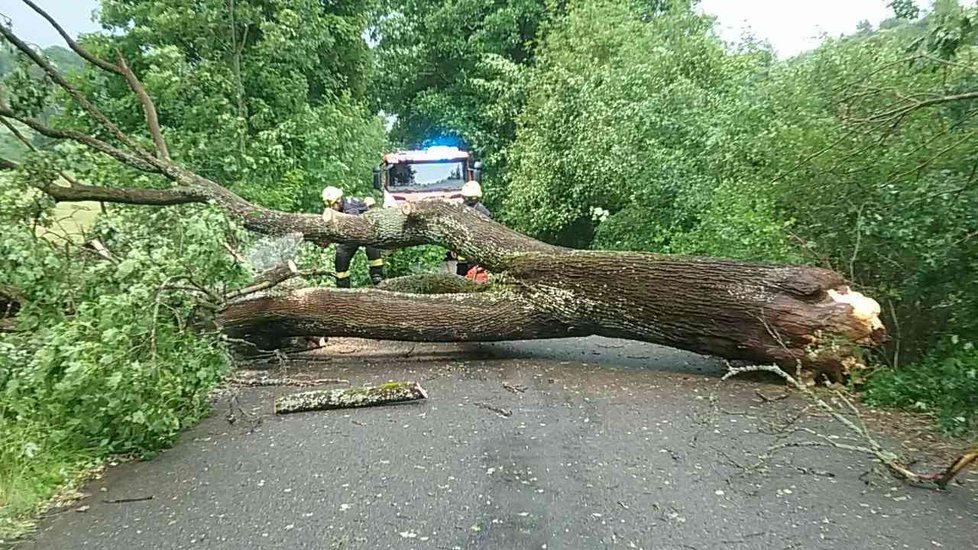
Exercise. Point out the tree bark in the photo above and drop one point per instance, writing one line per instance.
(432, 283)
(383, 315)
(319, 400)
(149, 197)
(737, 310)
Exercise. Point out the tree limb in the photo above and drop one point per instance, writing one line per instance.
(75, 47)
(79, 137)
(123, 195)
(911, 105)
(432, 283)
(76, 95)
(482, 317)
(392, 392)
(149, 109)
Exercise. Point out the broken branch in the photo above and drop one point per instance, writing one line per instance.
(893, 462)
(367, 396)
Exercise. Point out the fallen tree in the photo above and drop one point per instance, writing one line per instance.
(737, 310)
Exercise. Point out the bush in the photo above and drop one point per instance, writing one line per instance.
(414, 260)
(944, 384)
(106, 361)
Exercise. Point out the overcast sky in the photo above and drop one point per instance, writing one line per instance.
(791, 26)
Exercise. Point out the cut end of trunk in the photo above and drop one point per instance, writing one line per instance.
(865, 310)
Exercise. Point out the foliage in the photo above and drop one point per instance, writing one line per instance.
(266, 96)
(470, 44)
(685, 146)
(106, 361)
(63, 58)
(622, 115)
(945, 384)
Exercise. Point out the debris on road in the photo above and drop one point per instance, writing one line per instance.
(514, 388)
(254, 381)
(125, 500)
(366, 396)
(498, 410)
(770, 398)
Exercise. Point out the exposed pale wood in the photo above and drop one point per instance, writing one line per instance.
(348, 398)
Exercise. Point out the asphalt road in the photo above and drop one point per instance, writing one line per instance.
(611, 445)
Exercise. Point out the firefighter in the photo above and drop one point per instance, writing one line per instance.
(333, 198)
(471, 197)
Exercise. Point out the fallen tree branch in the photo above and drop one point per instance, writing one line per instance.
(124, 195)
(382, 315)
(79, 137)
(75, 47)
(267, 279)
(149, 109)
(96, 246)
(72, 91)
(368, 396)
(854, 424)
(505, 413)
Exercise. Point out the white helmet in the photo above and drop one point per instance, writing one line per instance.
(472, 190)
(332, 195)
(369, 202)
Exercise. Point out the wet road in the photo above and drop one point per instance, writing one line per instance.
(611, 445)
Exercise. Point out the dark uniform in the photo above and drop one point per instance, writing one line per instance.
(463, 265)
(346, 251)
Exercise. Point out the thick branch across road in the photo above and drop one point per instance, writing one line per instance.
(481, 317)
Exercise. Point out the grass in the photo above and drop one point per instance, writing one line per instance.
(72, 219)
(31, 475)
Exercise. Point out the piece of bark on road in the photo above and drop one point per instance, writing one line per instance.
(367, 396)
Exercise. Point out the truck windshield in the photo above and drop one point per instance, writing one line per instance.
(428, 174)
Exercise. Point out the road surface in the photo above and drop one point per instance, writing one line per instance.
(611, 445)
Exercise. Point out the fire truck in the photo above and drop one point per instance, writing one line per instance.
(435, 172)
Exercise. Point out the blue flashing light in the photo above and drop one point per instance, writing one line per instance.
(444, 141)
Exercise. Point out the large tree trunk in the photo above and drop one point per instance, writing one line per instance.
(737, 310)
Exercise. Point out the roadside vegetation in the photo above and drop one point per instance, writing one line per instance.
(604, 124)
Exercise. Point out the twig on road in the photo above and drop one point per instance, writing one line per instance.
(265, 381)
(506, 413)
(125, 500)
(517, 388)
